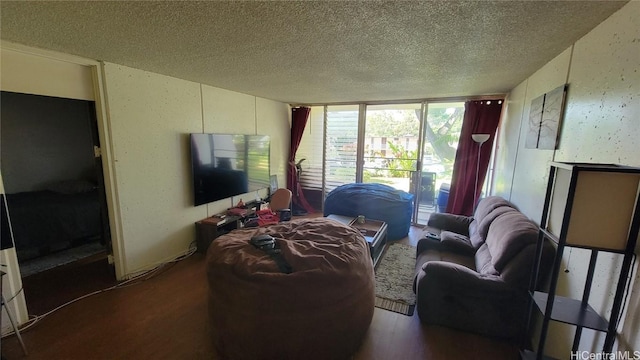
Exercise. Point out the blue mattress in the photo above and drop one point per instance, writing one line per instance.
(374, 201)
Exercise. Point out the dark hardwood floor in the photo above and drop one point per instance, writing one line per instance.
(49, 289)
(165, 317)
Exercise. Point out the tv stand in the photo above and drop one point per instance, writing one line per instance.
(210, 228)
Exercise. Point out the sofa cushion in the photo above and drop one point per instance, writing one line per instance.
(456, 242)
(435, 254)
(508, 234)
(455, 223)
(447, 256)
(483, 216)
(518, 271)
(487, 205)
(483, 261)
(482, 228)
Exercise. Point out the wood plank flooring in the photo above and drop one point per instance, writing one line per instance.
(165, 317)
(49, 289)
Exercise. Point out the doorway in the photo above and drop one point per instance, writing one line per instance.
(411, 154)
(391, 139)
(440, 134)
(54, 185)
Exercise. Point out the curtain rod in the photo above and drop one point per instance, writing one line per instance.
(428, 100)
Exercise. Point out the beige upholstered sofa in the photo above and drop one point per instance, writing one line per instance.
(475, 276)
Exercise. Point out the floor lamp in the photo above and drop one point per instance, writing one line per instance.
(480, 139)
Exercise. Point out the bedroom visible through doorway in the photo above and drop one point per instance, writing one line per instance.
(52, 175)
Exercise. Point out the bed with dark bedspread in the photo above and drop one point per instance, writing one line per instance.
(48, 221)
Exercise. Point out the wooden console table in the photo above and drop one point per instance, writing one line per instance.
(210, 228)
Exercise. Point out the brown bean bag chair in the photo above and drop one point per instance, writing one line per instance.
(321, 310)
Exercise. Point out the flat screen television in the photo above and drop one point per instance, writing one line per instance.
(226, 165)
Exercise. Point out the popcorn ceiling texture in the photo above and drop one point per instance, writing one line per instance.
(316, 51)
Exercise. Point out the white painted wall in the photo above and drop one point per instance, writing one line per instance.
(227, 111)
(601, 125)
(508, 142)
(532, 166)
(274, 119)
(151, 117)
(28, 73)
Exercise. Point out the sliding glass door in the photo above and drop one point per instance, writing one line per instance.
(440, 134)
(387, 143)
(391, 139)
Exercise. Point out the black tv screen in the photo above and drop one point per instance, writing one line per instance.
(226, 165)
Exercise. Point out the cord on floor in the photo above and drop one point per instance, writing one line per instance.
(136, 279)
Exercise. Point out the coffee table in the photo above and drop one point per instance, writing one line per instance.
(374, 231)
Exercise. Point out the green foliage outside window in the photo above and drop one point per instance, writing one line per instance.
(403, 162)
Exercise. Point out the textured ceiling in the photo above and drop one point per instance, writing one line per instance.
(316, 51)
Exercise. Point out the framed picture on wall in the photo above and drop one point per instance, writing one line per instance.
(535, 117)
(545, 115)
(551, 116)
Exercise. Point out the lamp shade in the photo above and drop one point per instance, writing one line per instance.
(480, 138)
(592, 205)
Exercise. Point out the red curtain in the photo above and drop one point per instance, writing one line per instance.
(480, 117)
(299, 117)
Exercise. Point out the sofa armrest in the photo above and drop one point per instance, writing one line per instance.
(452, 295)
(456, 243)
(449, 222)
(425, 244)
(456, 278)
(448, 241)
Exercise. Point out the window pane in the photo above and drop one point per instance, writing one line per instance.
(441, 133)
(341, 145)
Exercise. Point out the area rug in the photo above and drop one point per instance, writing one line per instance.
(394, 279)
